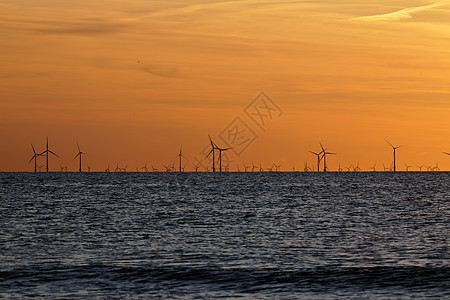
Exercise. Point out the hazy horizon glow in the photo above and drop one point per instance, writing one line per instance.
(132, 80)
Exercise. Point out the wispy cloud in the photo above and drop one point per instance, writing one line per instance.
(401, 14)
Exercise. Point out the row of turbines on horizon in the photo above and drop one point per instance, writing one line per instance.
(321, 159)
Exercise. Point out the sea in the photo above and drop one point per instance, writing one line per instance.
(254, 235)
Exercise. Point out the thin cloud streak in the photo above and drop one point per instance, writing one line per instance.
(401, 14)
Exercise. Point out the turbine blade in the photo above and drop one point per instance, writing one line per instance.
(78, 147)
(53, 153)
(323, 150)
(389, 143)
(76, 156)
(34, 151)
(32, 158)
(446, 153)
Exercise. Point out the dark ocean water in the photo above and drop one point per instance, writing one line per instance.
(210, 235)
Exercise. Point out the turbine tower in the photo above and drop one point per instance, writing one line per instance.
(394, 148)
(46, 152)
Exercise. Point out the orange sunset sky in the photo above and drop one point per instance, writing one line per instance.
(132, 80)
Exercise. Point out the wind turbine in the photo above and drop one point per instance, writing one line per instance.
(357, 168)
(339, 169)
(213, 147)
(180, 156)
(319, 158)
(220, 156)
(420, 167)
(35, 156)
(78, 154)
(107, 169)
(407, 167)
(117, 169)
(306, 169)
(373, 168)
(446, 153)
(154, 169)
(435, 168)
(253, 167)
(47, 152)
(245, 167)
(145, 168)
(196, 167)
(394, 148)
(324, 155)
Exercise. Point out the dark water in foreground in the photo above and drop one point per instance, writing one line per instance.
(205, 235)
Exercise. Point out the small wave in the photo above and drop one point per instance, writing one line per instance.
(190, 280)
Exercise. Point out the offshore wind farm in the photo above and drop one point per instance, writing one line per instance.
(224, 149)
(215, 159)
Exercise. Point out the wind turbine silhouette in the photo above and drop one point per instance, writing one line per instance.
(35, 156)
(47, 152)
(420, 167)
(213, 147)
(373, 168)
(394, 148)
(324, 156)
(407, 167)
(117, 169)
(220, 156)
(196, 167)
(245, 167)
(435, 168)
(78, 154)
(107, 169)
(145, 168)
(154, 169)
(319, 158)
(306, 169)
(339, 169)
(181, 156)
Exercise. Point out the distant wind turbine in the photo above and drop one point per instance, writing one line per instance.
(407, 167)
(79, 154)
(145, 168)
(213, 148)
(181, 156)
(324, 156)
(46, 152)
(35, 156)
(394, 148)
(319, 158)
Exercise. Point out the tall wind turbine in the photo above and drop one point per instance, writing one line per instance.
(35, 156)
(79, 154)
(220, 156)
(324, 156)
(180, 156)
(47, 152)
(213, 148)
(319, 158)
(394, 148)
